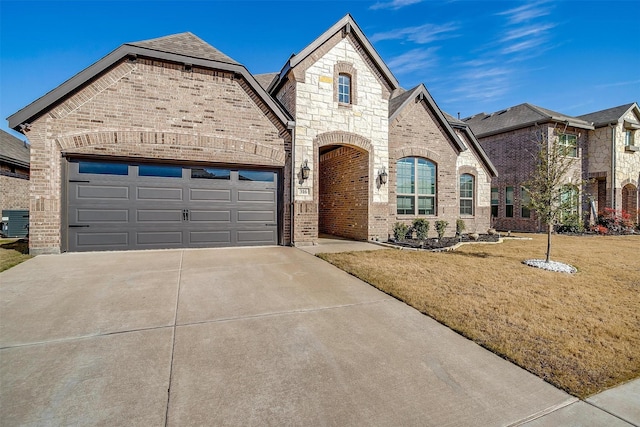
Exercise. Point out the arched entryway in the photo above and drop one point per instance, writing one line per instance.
(343, 193)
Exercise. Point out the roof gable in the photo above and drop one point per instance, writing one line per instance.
(14, 150)
(183, 48)
(608, 116)
(347, 26)
(448, 123)
(519, 116)
(185, 44)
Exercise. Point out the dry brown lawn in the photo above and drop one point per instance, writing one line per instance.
(579, 332)
(13, 252)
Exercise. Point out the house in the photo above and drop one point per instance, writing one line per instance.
(615, 178)
(510, 138)
(14, 173)
(170, 143)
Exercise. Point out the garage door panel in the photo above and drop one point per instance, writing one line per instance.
(170, 238)
(159, 215)
(87, 191)
(209, 216)
(267, 196)
(206, 238)
(198, 194)
(256, 216)
(106, 239)
(256, 236)
(150, 193)
(102, 215)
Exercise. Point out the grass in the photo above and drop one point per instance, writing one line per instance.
(579, 332)
(13, 252)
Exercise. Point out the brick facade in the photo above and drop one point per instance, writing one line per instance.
(158, 109)
(14, 191)
(514, 154)
(153, 110)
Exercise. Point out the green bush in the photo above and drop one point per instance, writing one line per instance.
(460, 226)
(570, 224)
(400, 230)
(441, 227)
(421, 227)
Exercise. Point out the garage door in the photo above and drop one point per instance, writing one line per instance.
(119, 206)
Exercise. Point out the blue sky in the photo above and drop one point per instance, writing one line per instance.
(574, 57)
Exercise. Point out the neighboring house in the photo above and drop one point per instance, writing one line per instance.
(616, 177)
(14, 173)
(170, 143)
(510, 138)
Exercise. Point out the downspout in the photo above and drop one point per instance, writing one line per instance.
(292, 208)
(613, 166)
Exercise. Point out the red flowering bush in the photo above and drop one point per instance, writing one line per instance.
(615, 222)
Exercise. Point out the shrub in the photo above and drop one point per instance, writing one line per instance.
(441, 227)
(600, 229)
(421, 227)
(400, 230)
(460, 226)
(616, 222)
(570, 224)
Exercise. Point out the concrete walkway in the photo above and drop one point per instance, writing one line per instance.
(250, 336)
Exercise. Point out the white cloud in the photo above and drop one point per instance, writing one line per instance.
(394, 4)
(414, 60)
(533, 30)
(526, 12)
(627, 83)
(422, 34)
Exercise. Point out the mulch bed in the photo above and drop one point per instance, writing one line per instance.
(445, 242)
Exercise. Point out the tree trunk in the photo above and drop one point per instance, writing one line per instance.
(549, 227)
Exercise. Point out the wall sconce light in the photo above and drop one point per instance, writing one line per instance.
(304, 170)
(383, 176)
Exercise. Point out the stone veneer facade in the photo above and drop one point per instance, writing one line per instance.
(150, 108)
(625, 167)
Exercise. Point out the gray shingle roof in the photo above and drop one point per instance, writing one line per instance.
(520, 116)
(13, 150)
(604, 117)
(186, 44)
(265, 80)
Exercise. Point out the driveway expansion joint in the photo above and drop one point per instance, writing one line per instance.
(545, 412)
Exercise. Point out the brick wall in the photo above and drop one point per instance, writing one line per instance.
(514, 154)
(344, 195)
(415, 132)
(14, 192)
(156, 110)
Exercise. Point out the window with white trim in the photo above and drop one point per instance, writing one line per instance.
(525, 201)
(628, 138)
(416, 186)
(508, 202)
(466, 194)
(344, 88)
(568, 145)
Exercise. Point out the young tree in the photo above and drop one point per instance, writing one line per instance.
(550, 190)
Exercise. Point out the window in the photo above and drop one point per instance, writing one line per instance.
(210, 173)
(494, 202)
(261, 176)
(160, 171)
(509, 202)
(525, 200)
(569, 145)
(416, 186)
(103, 168)
(568, 202)
(628, 138)
(466, 194)
(344, 89)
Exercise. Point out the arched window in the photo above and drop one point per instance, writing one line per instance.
(466, 194)
(416, 186)
(344, 88)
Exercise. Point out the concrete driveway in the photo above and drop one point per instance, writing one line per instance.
(246, 336)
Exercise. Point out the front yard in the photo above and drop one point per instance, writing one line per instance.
(579, 332)
(13, 252)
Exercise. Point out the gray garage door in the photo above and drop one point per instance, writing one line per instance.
(119, 206)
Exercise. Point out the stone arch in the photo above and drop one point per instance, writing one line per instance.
(416, 152)
(343, 138)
